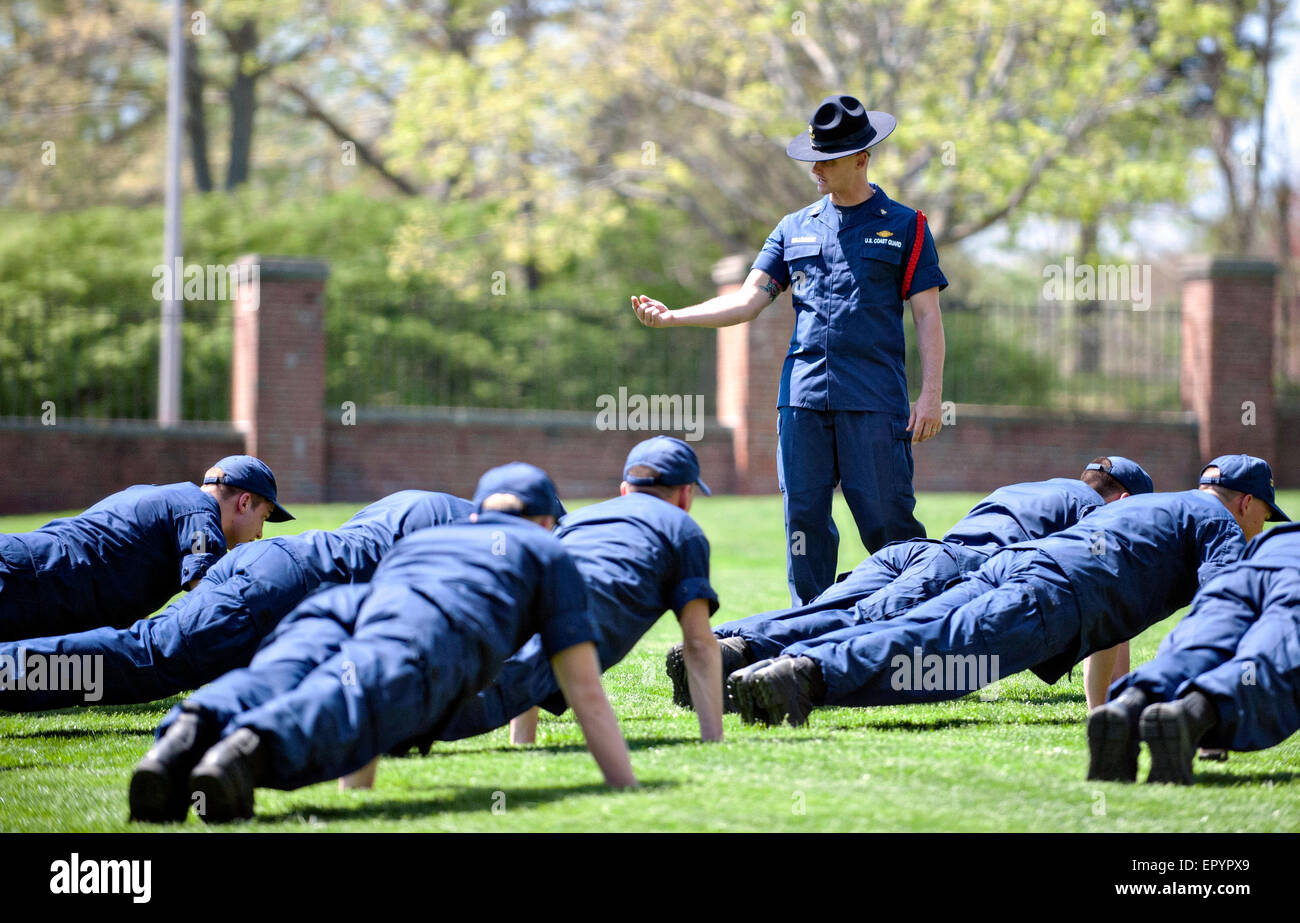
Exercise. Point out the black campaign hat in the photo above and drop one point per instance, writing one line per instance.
(840, 126)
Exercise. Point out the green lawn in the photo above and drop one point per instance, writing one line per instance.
(1012, 758)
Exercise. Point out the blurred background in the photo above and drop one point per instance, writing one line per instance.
(487, 183)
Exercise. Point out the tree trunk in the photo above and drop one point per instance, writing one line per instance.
(196, 125)
(1088, 313)
(243, 103)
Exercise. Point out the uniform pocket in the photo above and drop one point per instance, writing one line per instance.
(902, 451)
(804, 262)
(880, 265)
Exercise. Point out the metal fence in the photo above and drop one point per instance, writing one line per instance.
(101, 362)
(426, 352)
(1098, 357)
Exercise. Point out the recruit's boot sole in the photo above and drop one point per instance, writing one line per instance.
(1112, 745)
(158, 792)
(1165, 732)
(770, 692)
(735, 656)
(224, 780)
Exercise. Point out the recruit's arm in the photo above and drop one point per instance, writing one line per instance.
(362, 778)
(703, 667)
(523, 728)
(578, 671)
(1100, 669)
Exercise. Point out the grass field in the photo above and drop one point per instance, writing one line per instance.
(1011, 758)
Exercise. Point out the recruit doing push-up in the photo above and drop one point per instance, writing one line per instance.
(123, 558)
(902, 575)
(218, 625)
(355, 670)
(1042, 605)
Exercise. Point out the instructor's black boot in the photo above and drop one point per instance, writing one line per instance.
(226, 776)
(159, 791)
(1172, 730)
(1113, 737)
(771, 691)
(735, 654)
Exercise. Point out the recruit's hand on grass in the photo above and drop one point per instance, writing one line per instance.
(650, 312)
(926, 419)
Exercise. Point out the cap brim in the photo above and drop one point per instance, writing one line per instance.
(704, 488)
(278, 514)
(801, 147)
(1278, 515)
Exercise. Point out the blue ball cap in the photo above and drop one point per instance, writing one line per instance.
(1128, 472)
(251, 474)
(1248, 474)
(675, 461)
(529, 483)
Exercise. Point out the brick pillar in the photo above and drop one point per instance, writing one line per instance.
(1227, 356)
(749, 377)
(277, 393)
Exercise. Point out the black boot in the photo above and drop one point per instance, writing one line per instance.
(159, 791)
(1113, 737)
(735, 655)
(225, 777)
(1171, 731)
(771, 691)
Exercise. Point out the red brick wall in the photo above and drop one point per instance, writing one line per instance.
(71, 466)
(385, 452)
(989, 447)
(986, 449)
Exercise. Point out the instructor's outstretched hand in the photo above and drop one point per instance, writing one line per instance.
(650, 312)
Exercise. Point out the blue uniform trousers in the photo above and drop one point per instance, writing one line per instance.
(349, 674)
(20, 612)
(1240, 646)
(1012, 614)
(525, 680)
(870, 456)
(214, 629)
(892, 581)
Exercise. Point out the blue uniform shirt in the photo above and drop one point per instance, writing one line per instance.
(1133, 563)
(639, 556)
(397, 515)
(1023, 512)
(847, 350)
(1276, 548)
(502, 579)
(351, 553)
(122, 558)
